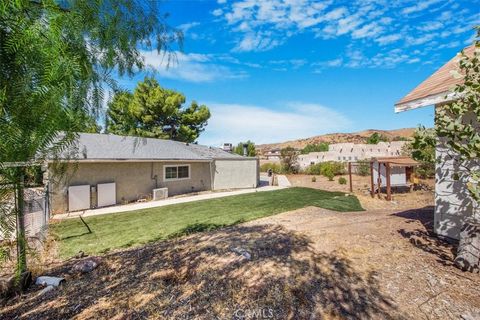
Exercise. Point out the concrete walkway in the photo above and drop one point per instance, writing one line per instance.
(283, 181)
(166, 202)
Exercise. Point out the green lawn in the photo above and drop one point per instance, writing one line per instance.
(120, 230)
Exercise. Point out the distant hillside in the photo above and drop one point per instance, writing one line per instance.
(357, 137)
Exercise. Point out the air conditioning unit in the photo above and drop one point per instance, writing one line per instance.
(160, 194)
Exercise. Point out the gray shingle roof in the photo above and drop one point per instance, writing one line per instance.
(92, 146)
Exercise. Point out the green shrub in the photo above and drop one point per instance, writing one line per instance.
(322, 146)
(276, 167)
(342, 180)
(337, 168)
(314, 179)
(326, 168)
(425, 170)
(363, 168)
(313, 169)
(329, 174)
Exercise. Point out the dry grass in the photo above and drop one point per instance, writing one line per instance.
(202, 277)
(361, 189)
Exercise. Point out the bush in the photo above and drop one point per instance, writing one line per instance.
(425, 170)
(337, 168)
(276, 167)
(314, 179)
(342, 180)
(320, 147)
(363, 168)
(329, 174)
(326, 169)
(313, 169)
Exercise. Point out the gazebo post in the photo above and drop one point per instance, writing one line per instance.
(350, 175)
(379, 180)
(372, 191)
(389, 187)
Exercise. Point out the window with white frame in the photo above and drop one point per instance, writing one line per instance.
(174, 172)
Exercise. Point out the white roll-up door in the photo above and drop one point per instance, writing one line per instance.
(106, 194)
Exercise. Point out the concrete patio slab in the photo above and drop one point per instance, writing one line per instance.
(161, 203)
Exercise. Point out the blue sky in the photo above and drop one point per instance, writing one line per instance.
(277, 70)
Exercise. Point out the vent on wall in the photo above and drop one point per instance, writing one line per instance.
(160, 194)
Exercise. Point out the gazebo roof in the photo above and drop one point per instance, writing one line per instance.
(398, 161)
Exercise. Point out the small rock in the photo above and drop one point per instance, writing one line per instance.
(470, 316)
(87, 265)
(242, 252)
(80, 255)
(46, 289)
(49, 281)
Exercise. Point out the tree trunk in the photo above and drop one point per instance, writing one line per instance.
(21, 237)
(468, 253)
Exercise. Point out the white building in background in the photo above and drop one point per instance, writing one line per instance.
(273, 155)
(351, 152)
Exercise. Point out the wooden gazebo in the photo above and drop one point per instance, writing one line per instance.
(391, 172)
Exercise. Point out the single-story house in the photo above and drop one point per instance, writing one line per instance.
(452, 200)
(105, 169)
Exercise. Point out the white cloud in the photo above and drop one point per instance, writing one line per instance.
(348, 24)
(384, 40)
(421, 39)
(192, 67)
(381, 25)
(335, 14)
(367, 31)
(321, 65)
(235, 122)
(420, 6)
(260, 41)
(217, 12)
(431, 26)
(187, 26)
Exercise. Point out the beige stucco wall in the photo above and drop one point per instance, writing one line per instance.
(133, 180)
(235, 174)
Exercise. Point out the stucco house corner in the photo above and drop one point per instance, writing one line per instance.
(452, 201)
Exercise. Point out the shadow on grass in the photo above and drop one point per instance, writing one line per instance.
(209, 275)
(74, 236)
(200, 227)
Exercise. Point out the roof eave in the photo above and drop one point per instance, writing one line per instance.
(129, 160)
(430, 100)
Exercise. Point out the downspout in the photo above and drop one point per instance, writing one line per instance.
(154, 177)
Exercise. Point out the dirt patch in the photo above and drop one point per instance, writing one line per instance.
(401, 199)
(305, 264)
(412, 266)
(211, 276)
